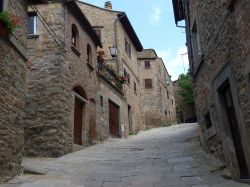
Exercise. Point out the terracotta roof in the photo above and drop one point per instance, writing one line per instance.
(147, 54)
(179, 11)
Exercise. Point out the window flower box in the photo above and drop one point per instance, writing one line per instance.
(8, 23)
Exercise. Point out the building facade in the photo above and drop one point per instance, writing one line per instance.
(218, 42)
(62, 81)
(115, 30)
(158, 101)
(185, 113)
(13, 59)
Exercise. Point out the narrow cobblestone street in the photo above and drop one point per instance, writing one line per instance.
(155, 158)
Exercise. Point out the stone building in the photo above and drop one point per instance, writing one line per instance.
(158, 101)
(13, 70)
(218, 41)
(184, 111)
(62, 81)
(120, 109)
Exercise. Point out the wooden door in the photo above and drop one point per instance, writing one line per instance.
(114, 119)
(236, 136)
(92, 121)
(78, 122)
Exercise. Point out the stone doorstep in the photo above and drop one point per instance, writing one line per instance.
(246, 181)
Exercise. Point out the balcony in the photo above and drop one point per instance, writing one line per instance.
(109, 76)
(37, 2)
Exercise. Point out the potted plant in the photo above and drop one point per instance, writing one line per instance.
(121, 79)
(101, 55)
(8, 23)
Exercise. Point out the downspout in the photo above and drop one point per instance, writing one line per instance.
(116, 43)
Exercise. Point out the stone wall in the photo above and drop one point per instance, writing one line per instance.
(224, 39)
(12, 93)
(54, 71)
(158, 107)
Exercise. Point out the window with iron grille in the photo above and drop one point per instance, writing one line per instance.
(147, 64)
(101, 101)
(148, 83)
(208, 120)
(135, 89)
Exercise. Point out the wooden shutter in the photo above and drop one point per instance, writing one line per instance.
(147, 64)
(98, 33)
(148, 83)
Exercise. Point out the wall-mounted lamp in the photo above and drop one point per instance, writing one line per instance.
(113, 51)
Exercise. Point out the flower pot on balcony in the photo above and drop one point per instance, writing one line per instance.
(3, 30)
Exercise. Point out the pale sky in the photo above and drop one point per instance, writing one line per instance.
(153, 21)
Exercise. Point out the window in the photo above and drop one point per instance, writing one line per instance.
(127, 76)
(1, 5)
(135, 89)
(32, 23)
(74, 36)
(98, 32)
(172, 102)
(196, 42)
(208, 120)
(167, 94)
(127, 47)
(89, 54)
(101, 101)
(147, 64)
(148, 83)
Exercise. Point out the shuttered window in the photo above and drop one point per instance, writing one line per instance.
(147, 64)
(127, 47)
(127, 76)
(148, 83)
(98, 33)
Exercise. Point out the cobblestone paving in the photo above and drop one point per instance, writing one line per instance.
(162, 157)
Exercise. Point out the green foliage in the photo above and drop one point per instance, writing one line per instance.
(133, 133)
(10, 21)
(186, 88)
(165, 124)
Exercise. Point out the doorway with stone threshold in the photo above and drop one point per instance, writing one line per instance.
(79, 114)
(230, 118)
(114, 120)
(92, 121)
(130, 124)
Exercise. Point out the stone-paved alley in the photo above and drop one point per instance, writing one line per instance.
(159, 157)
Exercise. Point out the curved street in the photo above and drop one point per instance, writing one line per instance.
(161, 157)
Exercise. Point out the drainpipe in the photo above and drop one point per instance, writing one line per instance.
(116, 43)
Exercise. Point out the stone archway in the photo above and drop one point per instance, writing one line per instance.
(79, 114)
(92, 121)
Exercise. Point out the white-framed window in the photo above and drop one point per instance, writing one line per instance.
(32, 23)
(196, 45)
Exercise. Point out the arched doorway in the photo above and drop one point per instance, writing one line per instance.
(79, 114)
(92, 120)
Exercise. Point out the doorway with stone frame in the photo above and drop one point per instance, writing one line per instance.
(230, 118)
(79, 115)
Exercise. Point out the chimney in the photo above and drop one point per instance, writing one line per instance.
(108, 5)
